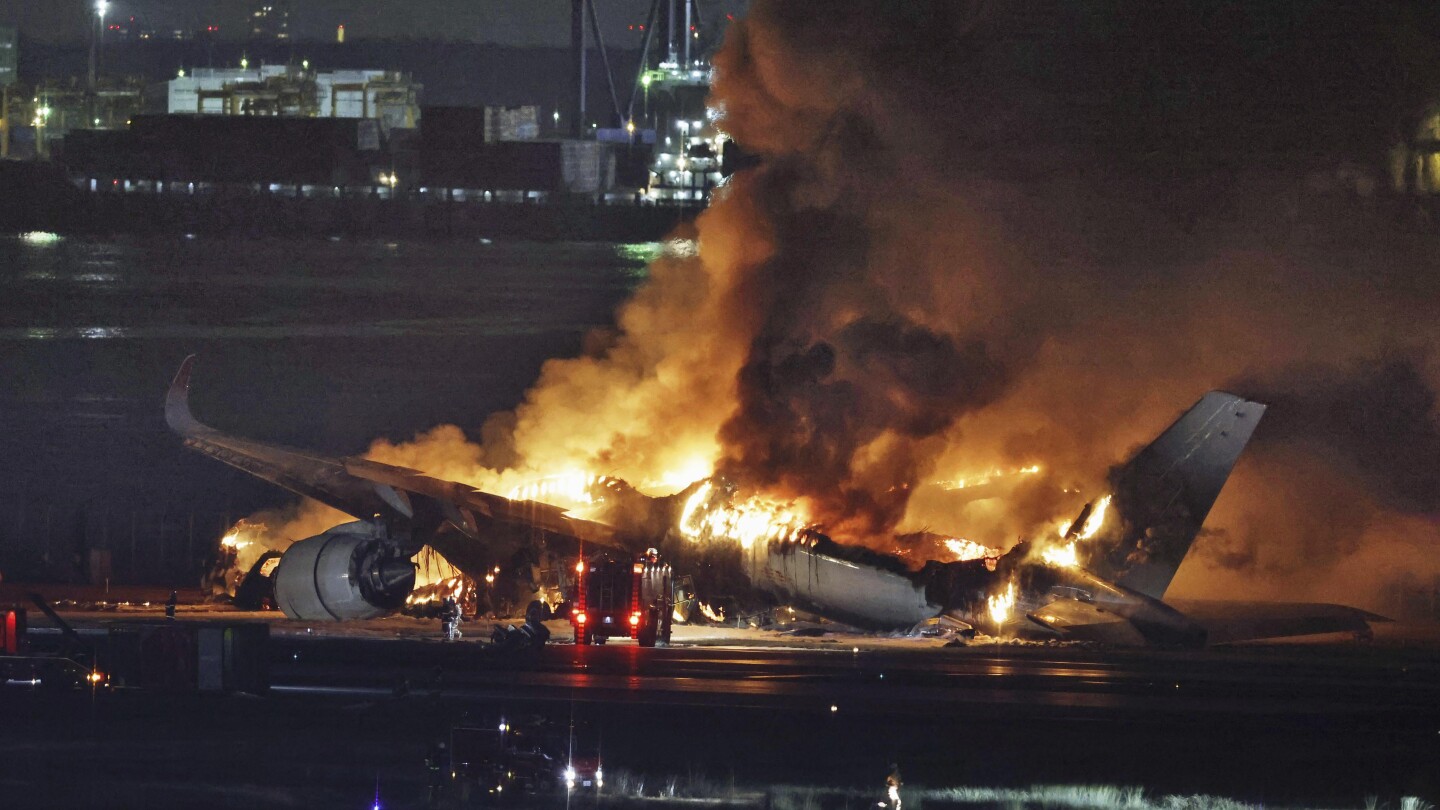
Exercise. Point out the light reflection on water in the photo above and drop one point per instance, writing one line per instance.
(440, 327)
(40, 238)
(304, 341)
(221, 289)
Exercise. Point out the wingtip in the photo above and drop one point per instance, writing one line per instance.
(177, 401)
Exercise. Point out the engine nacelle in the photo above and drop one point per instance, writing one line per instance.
(349, 572)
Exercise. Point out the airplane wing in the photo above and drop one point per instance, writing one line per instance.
(1228, 622)
(364, 488)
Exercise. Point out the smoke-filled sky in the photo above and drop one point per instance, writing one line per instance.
(987, 236)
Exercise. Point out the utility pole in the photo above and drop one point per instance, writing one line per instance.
(9, 68)
(671, 56)
(96, 40)
(689, 34)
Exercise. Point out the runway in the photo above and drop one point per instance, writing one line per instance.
(1315, 726)
(992, 679)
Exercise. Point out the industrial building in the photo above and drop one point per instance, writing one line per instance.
(386, 96)
(270, 20)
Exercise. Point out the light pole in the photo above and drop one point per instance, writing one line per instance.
(42, 117)
(97, 34)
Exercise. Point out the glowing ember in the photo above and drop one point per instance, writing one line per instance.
(744, 523)
(1001, 604)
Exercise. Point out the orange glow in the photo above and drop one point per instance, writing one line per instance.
(975, 480)
(1068, 555)
(580, 618)
(1001, 604)
(968, 549)
(746, 523)
(711, 613)
(634, 619)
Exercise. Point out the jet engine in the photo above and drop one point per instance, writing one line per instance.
(352, 571)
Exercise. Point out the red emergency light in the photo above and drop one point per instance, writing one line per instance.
(12, 631)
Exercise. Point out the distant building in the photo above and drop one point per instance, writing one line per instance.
(385, 96)
(270, 20)
(512, 123)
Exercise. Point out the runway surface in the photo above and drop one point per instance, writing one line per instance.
(1322, 726)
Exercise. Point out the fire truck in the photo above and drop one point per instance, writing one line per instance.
(620, 597)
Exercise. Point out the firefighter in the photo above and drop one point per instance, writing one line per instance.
(450, 619)
(892, 786)
(437, 762)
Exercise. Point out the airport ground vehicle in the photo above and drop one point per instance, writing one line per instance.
(619, 597)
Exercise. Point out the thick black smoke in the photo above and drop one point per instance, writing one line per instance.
(1013, 234)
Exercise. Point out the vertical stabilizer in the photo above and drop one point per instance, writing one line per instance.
(1163, 494)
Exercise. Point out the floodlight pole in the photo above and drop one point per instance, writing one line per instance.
(577, 56)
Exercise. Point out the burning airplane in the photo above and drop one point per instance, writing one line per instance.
(1100, 578)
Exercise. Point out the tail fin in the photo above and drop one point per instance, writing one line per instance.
(1162, 495)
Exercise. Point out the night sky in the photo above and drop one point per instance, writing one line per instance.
(509, 22)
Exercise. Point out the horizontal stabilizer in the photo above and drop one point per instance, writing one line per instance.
(1230, 622)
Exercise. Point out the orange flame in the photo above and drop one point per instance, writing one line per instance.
(1001, 604)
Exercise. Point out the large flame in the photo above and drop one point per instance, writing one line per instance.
(708, 515)
(1067, 555)
(1001, 604)
(969, 549)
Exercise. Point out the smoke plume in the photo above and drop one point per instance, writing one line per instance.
(983, 237)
